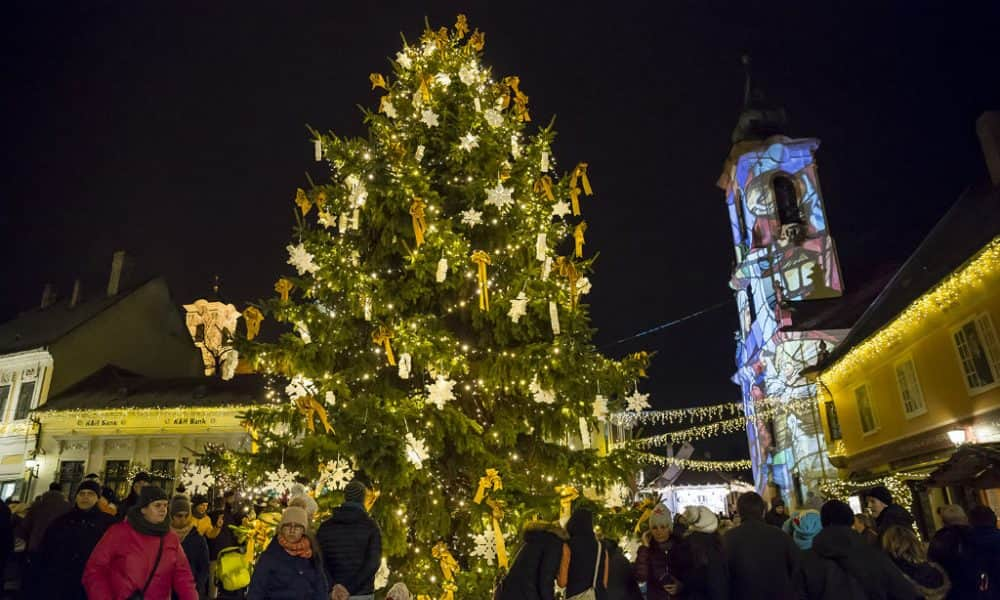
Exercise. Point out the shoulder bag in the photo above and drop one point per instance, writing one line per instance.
(591, 592)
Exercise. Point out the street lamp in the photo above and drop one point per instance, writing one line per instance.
(957, 437)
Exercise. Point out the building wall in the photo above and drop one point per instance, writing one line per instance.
(929, 342)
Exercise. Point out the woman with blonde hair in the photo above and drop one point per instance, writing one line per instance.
(910, 555)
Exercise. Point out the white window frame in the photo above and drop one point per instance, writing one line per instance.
(921, 400)
(985, 330)
(871, 404)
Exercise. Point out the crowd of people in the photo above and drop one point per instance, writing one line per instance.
(823, 553)
(155, 546)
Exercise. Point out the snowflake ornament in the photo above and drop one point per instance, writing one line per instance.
(389, 109)
(485, 545)
(518, 307)
(429, 118)
(334, 475)
(467, 74)
(500, 197)
(468, 142)
(560, 209)
(440, 392)
(300, 387)
(539, 395)
(326, 219)
(442, 79)
(416, 451)
(637, 402)
(301, 259)
(583, 286)
(472, 217)
(280, 481)
(403, 59)
(197, 478)
(600, 407)
(493, 117)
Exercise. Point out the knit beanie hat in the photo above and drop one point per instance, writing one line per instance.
(295, 516)
(701, 519)
(355, 492)
(150, 494)
(89, 485)
(180, 504)
(953, 514)
(835, 512)
(804, 525)
(661, 517)
(199, 499)
(880, 492)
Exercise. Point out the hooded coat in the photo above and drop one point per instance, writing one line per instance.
(842, 566)
(763, 561)
(583, 547)
(281, 576)
(43, 511)
(352, 548)
(651, 568)
(537, 564)
(928, 578)
(68, 542)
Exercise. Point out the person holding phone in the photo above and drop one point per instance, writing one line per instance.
(651, 559)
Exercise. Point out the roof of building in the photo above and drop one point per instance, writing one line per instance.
(42, 326)
(971, 223)
(113, 388)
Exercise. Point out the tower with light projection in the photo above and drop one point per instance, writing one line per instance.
(785, 259)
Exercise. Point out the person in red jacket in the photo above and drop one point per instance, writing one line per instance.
(123, 561)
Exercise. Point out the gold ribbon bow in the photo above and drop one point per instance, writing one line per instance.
(579, 239)
(647, 511)
(378, 81)
(477, 41)
(253, 317)
(419, 222)
(461, 26)
(447, 562)
(482, 259)
(520, 98)
(283, 286)
(643, 359)
(490, 481)
(382, 335)
(303, 201)
(544, 185)
(449, 588)
(496, 514)
(567, 494)
(370, 497)
(309, 408)
(567, 269)
(579, 173)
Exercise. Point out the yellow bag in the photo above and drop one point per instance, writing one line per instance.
(234, 573)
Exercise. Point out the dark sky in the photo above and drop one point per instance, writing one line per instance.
(176, 130)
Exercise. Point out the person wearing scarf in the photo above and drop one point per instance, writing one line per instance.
(124, 559)
(290, 568)
(192, 542)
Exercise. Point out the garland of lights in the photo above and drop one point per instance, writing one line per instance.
(895, 483)
(695, 465)
(703, 413)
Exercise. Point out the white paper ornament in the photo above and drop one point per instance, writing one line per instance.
(355, 258)
(600, 407)
(477, 104)
(301, 259)
(302, 329)
(280, 481)
(344, 222)
(540, 395)
(382, 575)
(440, 392)
(300, 387)
(318, 150)
(560, 209)
(334, 475)
(416, 451)
(405, 363)
(403, 59)
(493, 117)
(367, 308)
(419, 154)
(429, 118)
(442, 79)
(518, 307)
(500, 197)
(230, 360)
(515, 147)
(197, 478)
(546, 267)
(585, 439)
(467, 74)
(389, 109)
(485, 545)
(554, 317)
(442, 270)
(356, 219)
(637, 402)
(472, 217)
(544, 166)
(330, 398)
(468, 141)
(541, 247)
(326, 219)
(583, 286)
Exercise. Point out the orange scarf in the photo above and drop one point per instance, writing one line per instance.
(301, 548)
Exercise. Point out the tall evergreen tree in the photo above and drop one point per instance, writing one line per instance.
(438, 340)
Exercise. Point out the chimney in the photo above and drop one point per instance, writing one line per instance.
(114, 281)
(75, 298)
(988, 129)
(48, 296)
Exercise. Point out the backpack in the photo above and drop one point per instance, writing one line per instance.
(234, 572)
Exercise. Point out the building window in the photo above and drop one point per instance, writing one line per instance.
(24, 397)
(832, 420)
(909, 389)
(866, 412)
(976, 342)
(116, 478)
(162, 474)
(4, 397)
(786, 200)
(70, 474)
(8, 489)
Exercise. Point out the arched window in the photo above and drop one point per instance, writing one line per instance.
(787, 201)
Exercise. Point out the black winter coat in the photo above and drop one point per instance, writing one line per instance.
(621, 582)
(67, 545)
(763, 561)
(893, 514)
(697, 561)
(352, 548)
(536, 565)
(196, 549)
(842, 566)
(953, 548)
(928, 578)
(583, 546)
(281, 576)
(776, 519)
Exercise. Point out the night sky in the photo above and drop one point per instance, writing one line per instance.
(177, 131)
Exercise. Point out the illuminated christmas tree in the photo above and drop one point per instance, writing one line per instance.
(438, 342)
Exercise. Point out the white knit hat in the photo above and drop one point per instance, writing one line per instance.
(661, 516)
(701, 519)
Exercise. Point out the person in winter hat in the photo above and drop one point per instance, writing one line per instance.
(762, 559)
(909, 554)
(43, 511)
(651, 558)
(696, 563)
(583, 556)
(778, 513)
(309, 503)
(542, 560)
(124, 561)
(290, 568)
(841, 565)
(193, 543)
(141, 480)
(199, 514)
(352, 545)
(803, 526)
(68, 542)
(886, 512)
